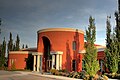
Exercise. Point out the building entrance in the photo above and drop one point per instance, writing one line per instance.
(47, 56)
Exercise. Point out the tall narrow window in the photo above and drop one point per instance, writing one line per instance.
(74, 45)
(73, 65)
(83, 64)
(55, 62)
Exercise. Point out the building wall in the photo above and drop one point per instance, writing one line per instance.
(101, 55)
(17, 59)
(62, 41)
(101, 58)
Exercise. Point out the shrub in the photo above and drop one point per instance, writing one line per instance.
(57, 72)
(82, 74)
(4, 68)
(54, 71)
(113, 76)
(1, 68)
(63, 70)
(74, 74)
(86, 77)
(65, 74)
(96, 77)
(71, 74)
(105, 77)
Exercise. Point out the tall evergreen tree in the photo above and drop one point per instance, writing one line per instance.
(117, 16)
(90, 57)
(111, 49)
(117, 31)
(23, 46)
(17, 43)
(14, 47)
(108, 32)
(114, 55)
(2, 57)
(4, 47)
(10, 43)
(108, 42)
(26, 46)
(0, 49)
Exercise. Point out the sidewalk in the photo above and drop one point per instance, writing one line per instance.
(52, 76)
(48, 75)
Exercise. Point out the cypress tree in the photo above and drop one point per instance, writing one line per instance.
(23, 46)
(4, 47)
(17, 43)
(90, 57)
(108, 32)
(117, 16)
(114, 55)
(14, 47)
(26, 46)
(111, 49)
(10, 43)
(117, 32)
(0, 49)
(108, 43)
(2, 58)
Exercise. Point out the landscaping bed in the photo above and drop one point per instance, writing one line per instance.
(83, 75)
(113, 76)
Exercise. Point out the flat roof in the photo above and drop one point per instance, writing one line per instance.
(98, 47)
(19, 52)
(29, 49)
(25, 52)
(61, 29)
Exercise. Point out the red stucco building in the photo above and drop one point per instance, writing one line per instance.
(57, 48)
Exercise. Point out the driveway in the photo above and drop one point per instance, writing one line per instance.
(16, 75)
(23, 75)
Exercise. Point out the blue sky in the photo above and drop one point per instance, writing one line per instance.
(26, 17)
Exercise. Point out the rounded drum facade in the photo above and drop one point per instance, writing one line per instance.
(60, 48)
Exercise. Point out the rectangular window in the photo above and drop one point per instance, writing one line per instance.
(10, 62)
(74, 45)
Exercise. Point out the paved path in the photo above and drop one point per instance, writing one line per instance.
(19, 75)
(22, 75)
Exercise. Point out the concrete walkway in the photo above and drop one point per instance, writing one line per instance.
(48, 75)
(25, 75)
(52, 76)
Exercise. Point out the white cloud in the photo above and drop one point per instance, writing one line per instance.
(26, 17)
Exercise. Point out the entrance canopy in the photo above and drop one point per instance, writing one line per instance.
(56, 59)
(56, 52)
(37, 53)
(37, 63)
